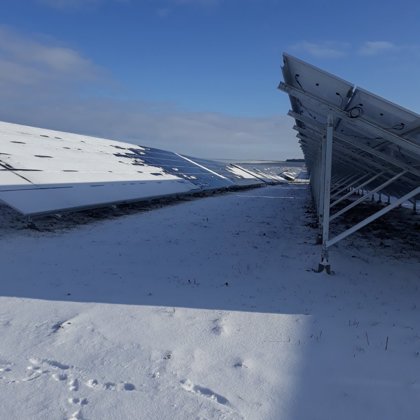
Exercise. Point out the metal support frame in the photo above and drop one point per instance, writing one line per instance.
(338, 182)
(353, 161)
(349, 185)
(361, 164)
(366, 196)
(373, 217)
(359, 122)
(370, 180)
(359, 145)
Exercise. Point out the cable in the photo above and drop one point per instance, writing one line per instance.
(305, 108)
(297, 81)
(341, 98)
(399, 126)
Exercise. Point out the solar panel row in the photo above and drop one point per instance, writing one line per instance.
(352, 141)
(46, 171)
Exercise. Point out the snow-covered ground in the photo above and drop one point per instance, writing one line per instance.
(208, 309)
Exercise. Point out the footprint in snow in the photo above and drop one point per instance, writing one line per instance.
(5, 366)
(219, 327)
(78, 401)
(5, 369)
(125, 386)
(92, 383)
(240, 364)
(161, 365)
(110, 386)
(205, 392)
(38, 367)
(64, 373)
(59, 376)
(34, 370)
(56, 364)
(73, 385)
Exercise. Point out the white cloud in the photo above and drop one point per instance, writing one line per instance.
(46, 85)
(207, 135)
(327, 49)
(376, 47)
(32, 61)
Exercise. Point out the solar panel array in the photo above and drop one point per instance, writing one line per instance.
(46, 171)
(276, 170)
(374, 148)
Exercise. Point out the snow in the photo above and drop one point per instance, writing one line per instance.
(71, 197)
(207, 309)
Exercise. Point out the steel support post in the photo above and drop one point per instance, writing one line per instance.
(321, 177)
(327, 144)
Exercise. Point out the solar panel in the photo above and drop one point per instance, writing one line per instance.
(275, 171)
(236, 175)
(352, 141)
(179, 166)
(316, 82)
(384, 113)
(46, 171)
(54, 198)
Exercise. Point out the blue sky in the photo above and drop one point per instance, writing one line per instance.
(194, 76)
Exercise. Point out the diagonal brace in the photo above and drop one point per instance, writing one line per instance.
(373, 217)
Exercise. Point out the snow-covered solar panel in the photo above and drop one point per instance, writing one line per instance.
(236, 175)
(352, 141)
(274, 171)
(63, 197)
(179, 166)
(47, 171)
